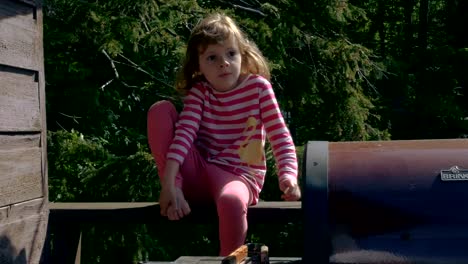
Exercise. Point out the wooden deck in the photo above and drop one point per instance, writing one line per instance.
(213, 260)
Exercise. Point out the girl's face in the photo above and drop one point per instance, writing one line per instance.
(221, 65)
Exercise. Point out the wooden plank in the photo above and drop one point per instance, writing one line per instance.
(20, 169)
(264, 212)
(22, 233)
(263, 205)
(18, 141)
(18, 28)
(28, 208)
(213, 260)
(19, 103)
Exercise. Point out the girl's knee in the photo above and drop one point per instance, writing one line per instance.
(231, 204)
(161, 118)
(159, 107)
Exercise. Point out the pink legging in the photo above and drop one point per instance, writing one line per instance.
(201, 181)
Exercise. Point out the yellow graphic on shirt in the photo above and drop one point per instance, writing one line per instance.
(251, 150)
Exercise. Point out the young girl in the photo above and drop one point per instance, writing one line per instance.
(213, 152)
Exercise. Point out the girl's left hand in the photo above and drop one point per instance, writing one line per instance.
(290, 189)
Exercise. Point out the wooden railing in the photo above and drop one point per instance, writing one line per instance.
(65, 220)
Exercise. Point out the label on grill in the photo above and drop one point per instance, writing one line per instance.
(454, 174)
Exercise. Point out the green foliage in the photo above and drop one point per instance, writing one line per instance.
(423, 94)
(68, 155)
(108, 61)
(78, 166)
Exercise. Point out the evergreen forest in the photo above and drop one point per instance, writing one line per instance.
(342, 70)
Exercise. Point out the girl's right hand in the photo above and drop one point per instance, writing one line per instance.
(171, 199)
(172, 203)
(167, 198)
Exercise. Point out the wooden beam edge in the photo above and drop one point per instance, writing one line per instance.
(137, 205)
(148, 212)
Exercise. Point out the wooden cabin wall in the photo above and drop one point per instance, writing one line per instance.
(23, 166)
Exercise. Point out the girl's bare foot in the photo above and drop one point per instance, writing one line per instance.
(180, 209)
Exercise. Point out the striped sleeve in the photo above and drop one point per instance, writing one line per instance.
(187, 126)
(278, 134)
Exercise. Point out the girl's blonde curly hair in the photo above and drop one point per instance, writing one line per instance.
(215, 29)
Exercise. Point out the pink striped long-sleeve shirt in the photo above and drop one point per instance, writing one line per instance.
(230, 129)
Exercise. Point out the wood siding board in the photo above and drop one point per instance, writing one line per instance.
(19, 141)
(20, 171)
(35, 208)
(22, 239)
(27, 208)
(18, 28)
(19, 105)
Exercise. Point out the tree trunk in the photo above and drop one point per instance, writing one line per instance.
(381, 26)
(456, 23)
(423, 25)
(463, 33)
(408, 29)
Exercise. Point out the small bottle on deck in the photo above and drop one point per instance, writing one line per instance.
(258, 253)
(264, 258)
